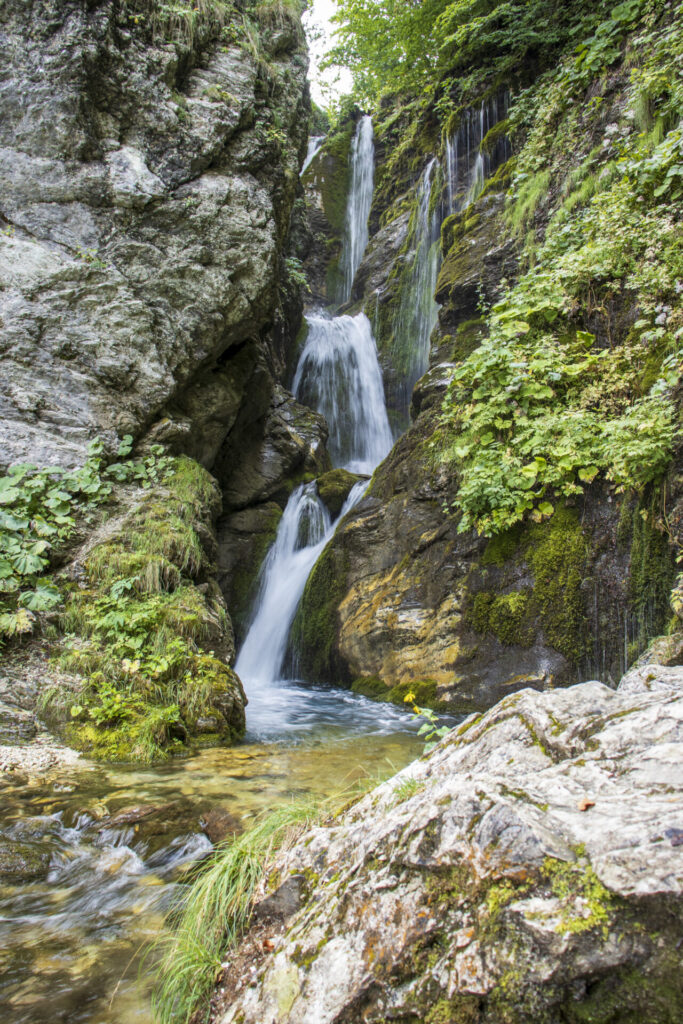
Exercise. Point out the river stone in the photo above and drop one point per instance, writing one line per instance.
(530, 868)
(22, 862)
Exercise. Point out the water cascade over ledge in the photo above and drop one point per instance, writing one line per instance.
(339, 376)
(314, 144)
(418, 311)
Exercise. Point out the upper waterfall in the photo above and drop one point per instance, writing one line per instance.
(339, 375)
(358, 203)
(314, 144)
(418, 310)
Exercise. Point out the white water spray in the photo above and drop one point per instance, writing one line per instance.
(339, 376)
(358, 204)
(314, 144)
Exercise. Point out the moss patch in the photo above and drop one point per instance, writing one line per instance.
(651, 576)
(557, 553)
(424, 692)
(138, 626)
(334, 488)
(313, 636)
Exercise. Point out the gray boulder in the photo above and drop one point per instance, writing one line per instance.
(529, 869)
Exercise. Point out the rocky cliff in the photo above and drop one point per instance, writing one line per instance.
(519, 533)
(528, 869)
(151, 219)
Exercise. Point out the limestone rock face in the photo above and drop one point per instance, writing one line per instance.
(145, 202)
(530, 868)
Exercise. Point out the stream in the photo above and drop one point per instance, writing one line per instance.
(116, 842)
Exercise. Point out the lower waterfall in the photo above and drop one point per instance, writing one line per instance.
(339, 376)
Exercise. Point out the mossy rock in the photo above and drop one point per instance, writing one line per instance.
(314, 632)
(22, 862)
(334, 488)
(553, 608)
(139, 626)
(424, 692)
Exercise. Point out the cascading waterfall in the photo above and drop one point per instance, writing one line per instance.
(314, 144)
(417, 312)
(301, 536)
(339, 376)
(304, 530)
(467, 164)
(358, 204)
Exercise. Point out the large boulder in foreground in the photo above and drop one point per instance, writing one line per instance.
(529, 869)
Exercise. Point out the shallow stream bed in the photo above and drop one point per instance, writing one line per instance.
(101, 851)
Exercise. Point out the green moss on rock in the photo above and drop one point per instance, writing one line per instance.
(139, 626)
(424, 692)
(557, 552)
(334, 488)
(315, 628)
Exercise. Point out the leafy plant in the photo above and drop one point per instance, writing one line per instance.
(430, 728)
(39, 508)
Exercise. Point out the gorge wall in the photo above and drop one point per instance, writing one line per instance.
(514, 190)
(155, 233)
(151, 219)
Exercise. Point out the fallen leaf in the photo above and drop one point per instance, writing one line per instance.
(585, 804)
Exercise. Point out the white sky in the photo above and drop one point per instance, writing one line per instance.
(325, 86)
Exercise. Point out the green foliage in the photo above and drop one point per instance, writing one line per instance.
(212, 915)
(453, 47)
(559, 393)
(137, 626)
(136, 623)
(39, 509)
(181, 21)
(430, 728)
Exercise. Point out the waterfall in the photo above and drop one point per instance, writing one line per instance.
(339, 376)
(314, 144)
(301, 536)
(417, 312)
(358, 204)
(304, 530)
(464, 184)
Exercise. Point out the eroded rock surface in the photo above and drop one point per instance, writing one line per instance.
(531, 868)
(145, 202)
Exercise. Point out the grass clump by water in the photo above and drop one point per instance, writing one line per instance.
(216, 909)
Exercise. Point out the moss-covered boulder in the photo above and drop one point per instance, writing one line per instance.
(528, 869)
(146, 629)
(334, 488)
(22, 862)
